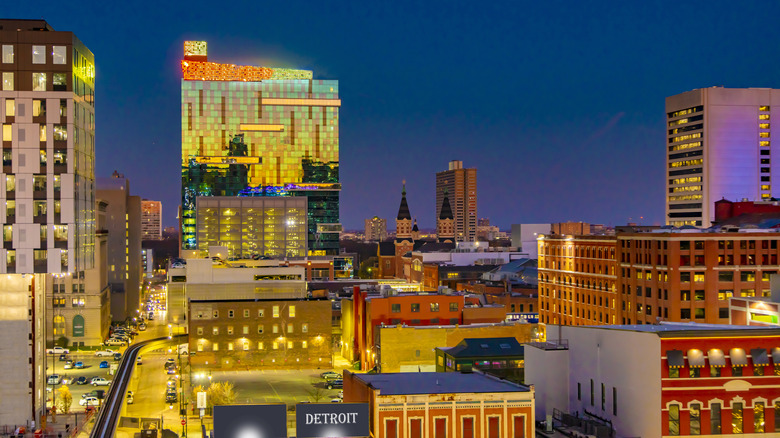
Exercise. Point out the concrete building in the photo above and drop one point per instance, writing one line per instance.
(523, 237)
(656, 380)
(259, 131)
(123, 222)
(460, 185)
(718, 146)
(151, 220)
(376, 229)
(418, 405)
(47, 114)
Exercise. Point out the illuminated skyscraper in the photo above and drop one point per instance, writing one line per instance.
(460, 186)
(47, 199)
(151, 220)
(718, 146)
(259, 131)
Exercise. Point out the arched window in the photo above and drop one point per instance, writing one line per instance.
(78, 326)
(59, 325)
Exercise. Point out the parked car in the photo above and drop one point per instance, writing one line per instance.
(68, 365)
(169, 363)
(57, 350)
(103, 364)
(54, 379)
(338, 383)
(106, 352)
(129, 397)
(81, 381)
(172, 382)
(117, 356)
(64, 357)
(99, 381)
(99, 393)
(141, 327)
(171, 370)
(78, 365)
(89, 401)
(336, 400)
(330, 375)
(138, 360)
(170, 396)
(114, 342)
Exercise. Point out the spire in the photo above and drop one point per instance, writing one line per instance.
(403, 209)
(446, 210)
(414, 228)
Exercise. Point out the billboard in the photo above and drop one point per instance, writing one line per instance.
(267, 421)
(318, 420)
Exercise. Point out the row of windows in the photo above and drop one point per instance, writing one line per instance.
(415, 307)
(468, 424)
(735, 371)
(716, 418)
(686, 245)
(685, 112)
(247, 346)
(686, 120)
(39, 80)
(75, 302)
(686, 163)
(683, 146)
(59, 54)
(260, 329)
(275, 311)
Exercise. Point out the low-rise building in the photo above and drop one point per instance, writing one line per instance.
(463, 405)
(656, 380)
(500, 357)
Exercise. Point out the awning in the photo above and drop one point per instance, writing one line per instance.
(716, 357)
(738, 357)
(776, 355)
(760, 356)
(695, 358)
(675, 358)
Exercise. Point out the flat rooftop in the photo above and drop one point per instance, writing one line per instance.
(437, 383)
(668, 329)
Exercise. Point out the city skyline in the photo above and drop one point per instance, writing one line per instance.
(561, 100)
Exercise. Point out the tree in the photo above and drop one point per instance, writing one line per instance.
(317, 392)
(221, 393)
(62, 341)
(64, 399)
(368, 269)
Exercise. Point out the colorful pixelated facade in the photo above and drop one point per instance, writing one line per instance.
(258, 131)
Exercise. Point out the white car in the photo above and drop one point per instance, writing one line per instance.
(89, 401)
(57, 350)
(99, 381)
(114, 342)
(106, 352)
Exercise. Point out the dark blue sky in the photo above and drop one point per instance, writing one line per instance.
(558, 104)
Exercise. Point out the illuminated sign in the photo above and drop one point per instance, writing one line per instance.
(320, 420)
(250, 421)
(228, 160)
(211, 71)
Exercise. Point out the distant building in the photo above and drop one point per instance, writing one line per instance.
(460, 185)
(459, 405)
(376, 229)
(499, 357)
(123, 222)
(696, 380)
(570, 228)
(524, 236)
(483, 222)
(726, 210)
(151, 220)
(718, 146)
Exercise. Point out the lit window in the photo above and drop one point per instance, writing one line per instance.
(8, 54)
(260, 330)
(763, 125)
(10, 107)
(289, 328)
(8, 81)
(200, 346)
(39, 81)
(763, 134)
(276, 328)
(763, 117)
(292, 311)
(260, 313)
(8, 132)
(246, 346)
(305, 328)
(215, 347)
(246, 330)
(230, 346)
(259, 345)
(276, 311)
(230, 330)
(246, 313)
(764, 187)
(304, 344)
(199, 330)
(763, 108)
(275, 345)
(59, 81)
(39, 54)
(215, 330)
(59, 54)
(289, 345)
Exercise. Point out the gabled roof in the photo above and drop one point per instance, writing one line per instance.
(485, 347)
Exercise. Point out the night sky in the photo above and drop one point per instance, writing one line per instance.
(558, 104)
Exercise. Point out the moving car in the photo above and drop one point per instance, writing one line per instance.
(106, 352)
(57, 350)
(172, 382)
(170, 396)
(169, 363)
(99, 381)
(89, 401)
(129, 397)
(63, 358)
(338, 383)
(141, 327)
(138, 360)
(330, 375)
(103, 364)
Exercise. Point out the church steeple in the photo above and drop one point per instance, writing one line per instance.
(403, 209)
(415, 231)
(445, 223)
(403, 221)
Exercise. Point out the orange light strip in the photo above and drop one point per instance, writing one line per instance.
(212, 71)
(263, 128)
(302, 102)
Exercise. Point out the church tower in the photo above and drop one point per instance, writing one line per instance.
(445, 224)
(415, 232)
(404, 240)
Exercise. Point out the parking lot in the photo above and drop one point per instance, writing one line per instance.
(274, 386)
(91, 369)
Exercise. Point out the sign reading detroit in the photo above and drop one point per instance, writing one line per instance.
(319, 420)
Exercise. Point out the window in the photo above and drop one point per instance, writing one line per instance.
(291, 311)
(275, 328)
(304, 344)
(289, 345)
(726, 276)
(259, 345)
(230, 346)
(467, 427)
(199, 330)
(230, 313)
(39, 81)
(695, 419)
(758, 370)
(694, 372)
(8, 81)
(215, 346)
(305, 328)
(674, 420)
(603, 398)
(200, 346)
(245, 330)
(698, 277)
(685, 313)
(59, 55)
(10, 111)
(579, 391)
(453, 307)
(260, 329)
(614, 401)
(246, 313)
(591, 393)
(434, 307)
(395, 308)
(715, 423)
(415, 307)
(758, 417)
(714, 371)
(275, 345)
(391, 428)
(736, 417)
(39, 54)
(518, 426)
(736, 371)
(777, 416)
(215, 330)
(276, 311)
(260, 313)
(216, 314)
(246, 346)
(8, 54)
(289, 328)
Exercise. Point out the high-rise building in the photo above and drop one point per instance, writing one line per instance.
(151, 220)
(123, 222)
(259, 131)
(47, 199)
(718, 146)
(376, 229)
(461, 187)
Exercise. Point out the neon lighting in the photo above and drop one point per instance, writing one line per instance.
(212, 71)
(227, 160)
(263, 128)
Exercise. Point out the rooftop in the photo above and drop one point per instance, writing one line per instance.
(485, 347)
(437, 383)
(691, 329)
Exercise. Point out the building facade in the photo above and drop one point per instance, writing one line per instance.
(460, 185)
(151, 220)
(47, 114)
(260, 334)
(258, 131)
(419, 405)
(376, 229)
(718, 146)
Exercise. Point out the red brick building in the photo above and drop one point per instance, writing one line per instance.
(462, 405)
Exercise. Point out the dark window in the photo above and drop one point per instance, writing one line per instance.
(579, 391)
(614, 401)
(674, 420)
(395, 308)
(592, 390)
(715, 422)
(685, 313)
(695, 418)
(415, 307)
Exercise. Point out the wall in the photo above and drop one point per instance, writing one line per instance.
(544, 369)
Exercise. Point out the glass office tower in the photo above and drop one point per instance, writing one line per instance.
(258, 131)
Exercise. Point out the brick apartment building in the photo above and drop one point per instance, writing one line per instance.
(253, 334)
(641, 278)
